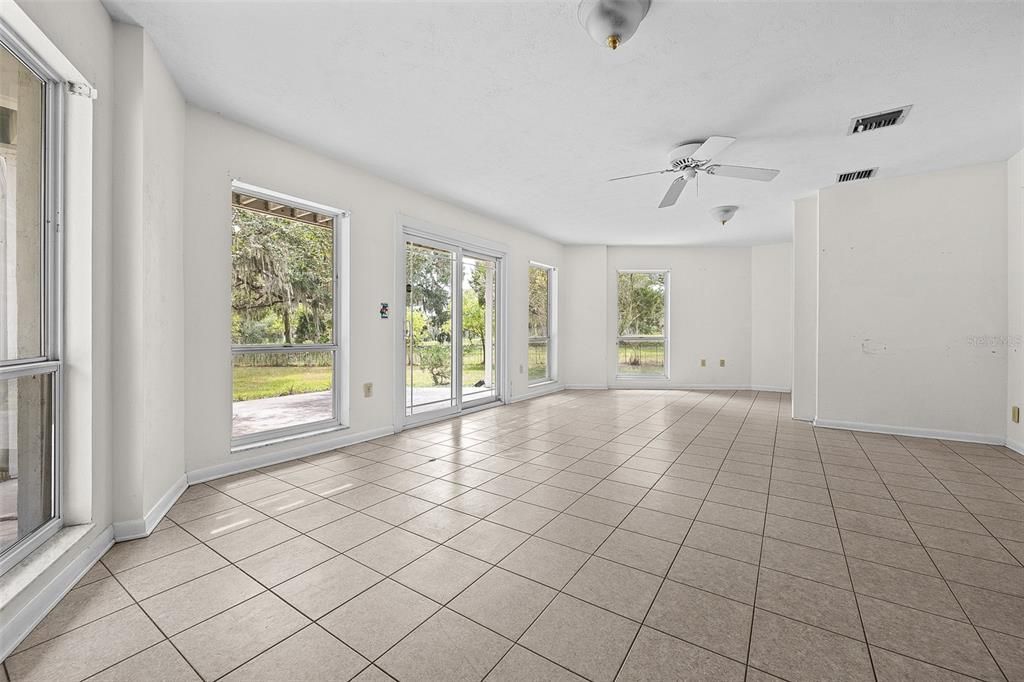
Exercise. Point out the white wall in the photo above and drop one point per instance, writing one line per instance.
(218, 150)
(712, 310)
(771, 316)
(148, 299)
(912, 303)
(805, 307)
(1015, 308)
(163, 316)
(582, 317)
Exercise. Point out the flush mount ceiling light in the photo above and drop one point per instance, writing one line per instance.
(612, 22)
(724, 214)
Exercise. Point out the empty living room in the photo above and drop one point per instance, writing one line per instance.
(511, 340)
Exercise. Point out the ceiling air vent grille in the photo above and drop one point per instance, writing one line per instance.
(850, 176)
(884, 119)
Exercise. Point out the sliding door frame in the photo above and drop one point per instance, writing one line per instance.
(408, 228)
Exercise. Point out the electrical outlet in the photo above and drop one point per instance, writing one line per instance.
(368, 390)
(721, 363)
(1015, 414)
(703, 362)
(520, 369)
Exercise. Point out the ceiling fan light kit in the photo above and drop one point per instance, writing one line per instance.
(612, 22)
(724, 214)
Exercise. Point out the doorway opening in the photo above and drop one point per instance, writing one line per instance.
(452, 348)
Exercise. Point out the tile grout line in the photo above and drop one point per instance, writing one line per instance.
(944, 580)
(849, 574)
(760, 553)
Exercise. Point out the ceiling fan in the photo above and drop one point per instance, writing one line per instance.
(695, 157)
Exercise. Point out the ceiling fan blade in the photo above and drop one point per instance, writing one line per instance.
(744, 172)
(627, 177)
(674, 190)
(712, 147)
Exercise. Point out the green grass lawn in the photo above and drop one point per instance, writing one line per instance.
(250, 383)
(642, 358)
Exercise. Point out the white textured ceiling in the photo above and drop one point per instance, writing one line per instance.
(508, 107)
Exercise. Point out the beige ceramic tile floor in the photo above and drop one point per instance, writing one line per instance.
(653, 535)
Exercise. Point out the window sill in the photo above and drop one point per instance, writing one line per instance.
(35, 564)
(290, 438)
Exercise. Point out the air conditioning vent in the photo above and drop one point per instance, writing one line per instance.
(884, 119)
(850, 176)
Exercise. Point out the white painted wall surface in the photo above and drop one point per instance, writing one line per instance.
(583, 316)
(912, 302)
(149, 296)
(805, 307)
(218, 150)
(1015, 309)
(771, 321)
(709, 313)
(163, 317)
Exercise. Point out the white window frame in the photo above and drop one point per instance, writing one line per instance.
(52, 271)
(666, 297)
(339, 344)
(552, 337)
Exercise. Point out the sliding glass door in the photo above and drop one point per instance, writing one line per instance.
(451, 329)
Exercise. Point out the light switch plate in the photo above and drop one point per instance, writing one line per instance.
(368, 390)
(721, 363)
(1015, 414)
(703, 362)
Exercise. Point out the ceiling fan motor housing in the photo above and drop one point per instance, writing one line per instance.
(680, 156)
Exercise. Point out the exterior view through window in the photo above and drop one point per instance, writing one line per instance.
(30, 297)
(451, 328)
(283, 312)
(641, 330)
(540, 320)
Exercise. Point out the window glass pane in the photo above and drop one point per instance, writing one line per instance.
(279, 390)
(642, 358)
(21, 206)
(539, 308)
(641, 304)
(538, 359)
(26, 456)
(283, 272)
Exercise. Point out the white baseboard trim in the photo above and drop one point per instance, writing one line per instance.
(283, 452)
(537, 391)
(912, 431)
(586, 387)
(140, 528)
(15, 628)
(661, 386)
(1016, 446)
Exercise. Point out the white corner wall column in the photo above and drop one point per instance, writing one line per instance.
(1015, 300)
(148, 375)
(805, 308)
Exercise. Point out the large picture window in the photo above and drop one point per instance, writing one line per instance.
(642, 324)
(541, 323)
(284, 312)
(30, 295)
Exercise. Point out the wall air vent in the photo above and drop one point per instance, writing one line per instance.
(884, 119)
(850, 176)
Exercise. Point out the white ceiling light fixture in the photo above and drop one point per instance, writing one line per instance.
(612, 22)
(724, 214)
